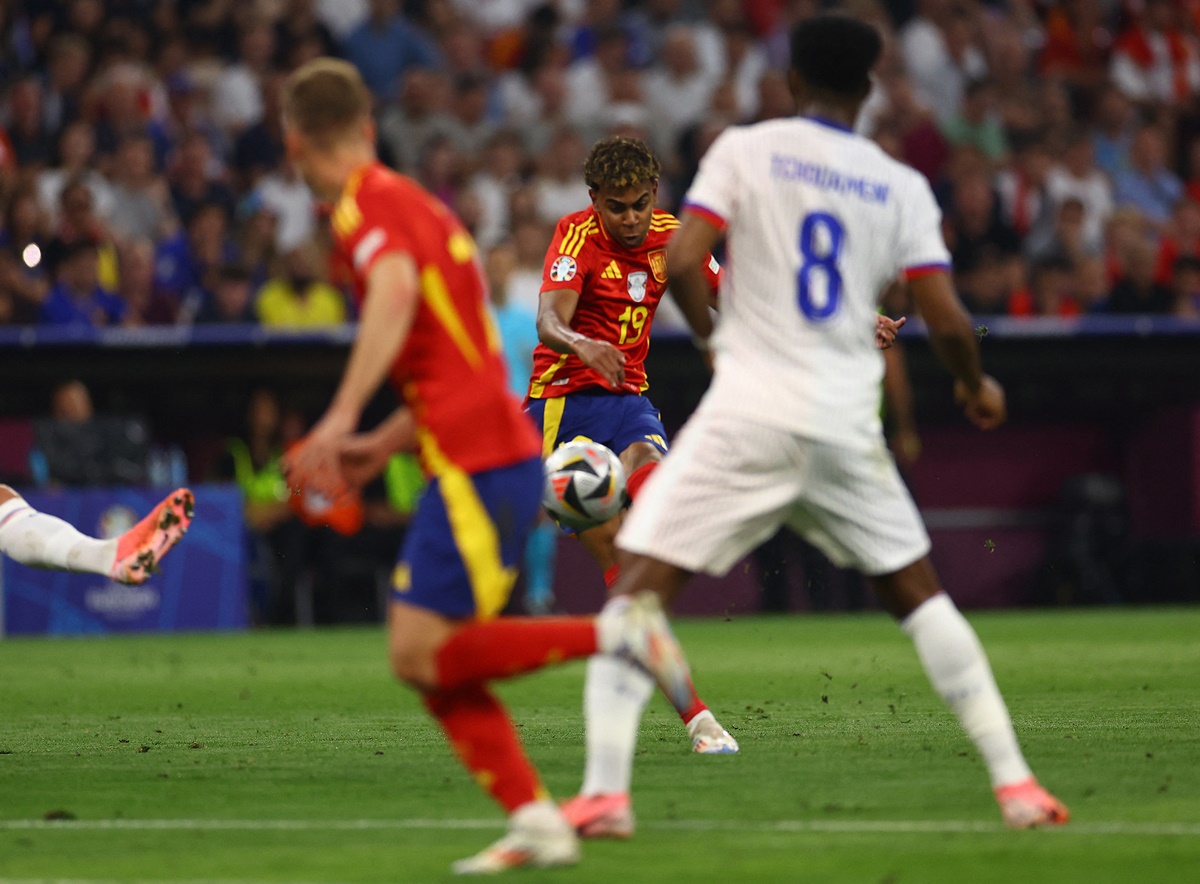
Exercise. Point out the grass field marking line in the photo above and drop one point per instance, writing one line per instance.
(782, 826)
(931, 827)
(130, 881)
(248, 825)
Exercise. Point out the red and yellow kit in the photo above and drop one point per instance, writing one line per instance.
(450, 371)
(619, 289)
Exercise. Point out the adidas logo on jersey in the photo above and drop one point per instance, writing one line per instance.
(612, 271)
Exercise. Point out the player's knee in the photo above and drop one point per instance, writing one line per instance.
(638, 454)
(414, 666)
(903, 591)
(7, 494)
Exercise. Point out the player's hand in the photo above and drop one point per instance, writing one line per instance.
(603, 358)
(314, 462)
(885, 330)
(361, 458)
(985, 407)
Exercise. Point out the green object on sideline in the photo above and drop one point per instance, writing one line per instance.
(404, 481)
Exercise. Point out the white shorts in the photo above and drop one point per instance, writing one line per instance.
(728, 485)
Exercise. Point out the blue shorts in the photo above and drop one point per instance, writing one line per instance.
(466, 538)
(613, 420)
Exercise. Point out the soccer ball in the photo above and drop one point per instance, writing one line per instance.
(585, 484)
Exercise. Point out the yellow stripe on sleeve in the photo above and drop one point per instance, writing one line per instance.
(568, 238)
(474, 532)
(581, 237)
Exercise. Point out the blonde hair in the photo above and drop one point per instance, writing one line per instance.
(325, 100)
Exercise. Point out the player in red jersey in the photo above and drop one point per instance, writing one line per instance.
(424, 324)
(604, 276)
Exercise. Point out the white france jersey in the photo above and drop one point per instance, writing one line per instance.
(818, 221)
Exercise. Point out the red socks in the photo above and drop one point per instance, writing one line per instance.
(638, 477)
(483, 737)
(477, 726)
(480, 652)
(695, 705)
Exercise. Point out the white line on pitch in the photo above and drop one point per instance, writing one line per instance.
(783, 826)
(127, 881)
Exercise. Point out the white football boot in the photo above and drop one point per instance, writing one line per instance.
(709, 738)
(539, 836)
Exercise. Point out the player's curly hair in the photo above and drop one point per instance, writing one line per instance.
(620, 162)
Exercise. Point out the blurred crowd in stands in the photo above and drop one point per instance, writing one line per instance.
(143, 177)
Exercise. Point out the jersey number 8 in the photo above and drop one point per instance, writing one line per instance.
(819, 253)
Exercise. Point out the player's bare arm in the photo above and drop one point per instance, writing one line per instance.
(364, 456)
(898, 398)
(953, 340)
(687, 254)
(555, 310)
(388, 310)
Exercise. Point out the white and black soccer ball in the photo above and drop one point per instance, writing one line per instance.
(585, 484)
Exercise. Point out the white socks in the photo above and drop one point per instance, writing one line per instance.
(43, 541)
(698, 719)
(958, 668)
(614, 695)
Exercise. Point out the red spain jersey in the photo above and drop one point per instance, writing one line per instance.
(450, 370)
(619, 289)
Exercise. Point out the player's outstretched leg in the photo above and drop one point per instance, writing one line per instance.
(615, 694)
(957, 666)
(44, 541)
(486, 742)
(141, 548)
(707, 735)
(451, 663)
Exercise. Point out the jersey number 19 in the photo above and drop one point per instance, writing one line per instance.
(633, 316)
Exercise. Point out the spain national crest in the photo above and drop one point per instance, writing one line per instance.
(658, 264)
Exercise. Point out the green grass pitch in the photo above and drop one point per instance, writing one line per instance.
(292, 756)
